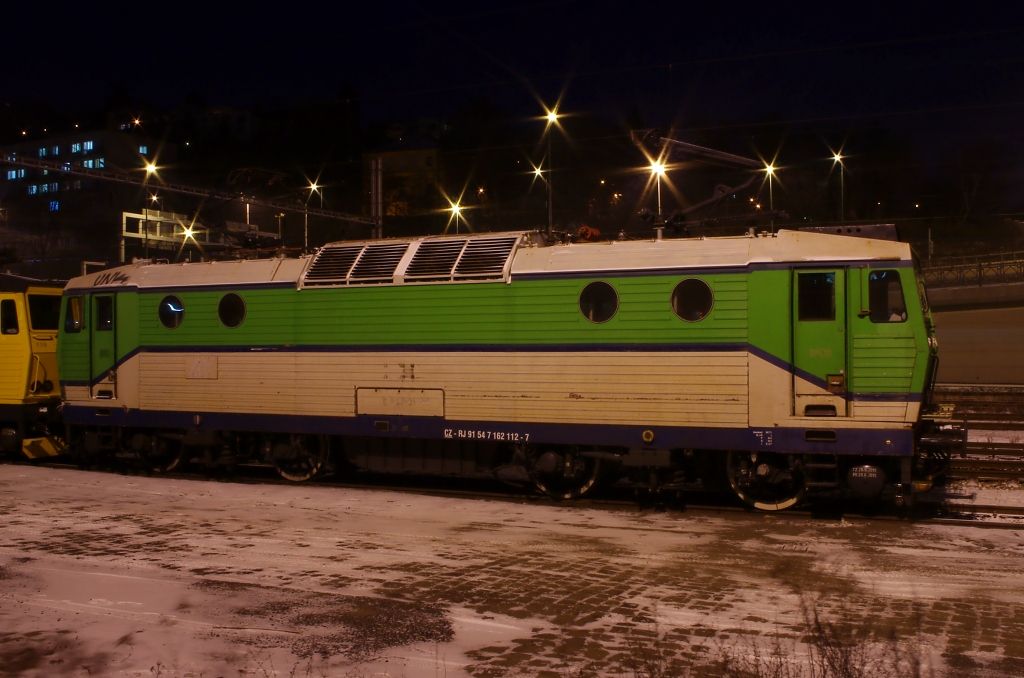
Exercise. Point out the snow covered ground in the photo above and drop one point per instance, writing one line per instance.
(111, 575)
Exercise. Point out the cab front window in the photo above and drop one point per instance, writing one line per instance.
(44, 311)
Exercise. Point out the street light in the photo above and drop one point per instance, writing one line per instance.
(313, 187)
(151, 170)
(456, 210)
(837, 159)
(769, 170)
(551, 116)
(658, 170)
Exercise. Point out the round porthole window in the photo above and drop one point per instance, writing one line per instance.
(692, 300)
(598, 302)
(171, 312)
(231, 310)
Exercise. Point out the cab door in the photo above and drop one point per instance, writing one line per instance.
(44, 318)
(102, 347)
(819, 343)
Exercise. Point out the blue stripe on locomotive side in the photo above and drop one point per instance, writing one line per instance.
(869, 442)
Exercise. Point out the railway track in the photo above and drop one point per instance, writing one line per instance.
(972, 467)
(986, 406)
(990, 461)
(994, 414)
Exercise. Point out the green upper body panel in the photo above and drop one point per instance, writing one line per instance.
(751, 308)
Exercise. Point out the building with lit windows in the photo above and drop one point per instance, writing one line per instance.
(54, 215)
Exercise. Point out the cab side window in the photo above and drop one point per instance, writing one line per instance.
(8, 317)
(885, 296)
(73, 315)
(816, 296)
(104, 313)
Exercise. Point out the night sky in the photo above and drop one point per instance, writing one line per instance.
(945, 81)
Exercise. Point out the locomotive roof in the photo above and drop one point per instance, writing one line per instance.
(784, 247)
(525, 258)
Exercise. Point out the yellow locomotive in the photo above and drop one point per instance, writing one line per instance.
(29, 385)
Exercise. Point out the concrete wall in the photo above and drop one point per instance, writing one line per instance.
(976, 296)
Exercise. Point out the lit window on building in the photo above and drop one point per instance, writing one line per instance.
(67, 167)
(12, 175)
(44, 188)
(87, 145)
(88, 164)
(33, 189)
(54, 187)
(56, 150)
(76, 147)
(21, 174)
(42, 152)
(143, 150)
(55, 205)
(101, 162)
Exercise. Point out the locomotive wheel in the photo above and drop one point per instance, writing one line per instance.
(299, 457)
(765, 481)
(564, 473)
(161, 454)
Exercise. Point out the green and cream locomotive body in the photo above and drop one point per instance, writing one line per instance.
(795, 362)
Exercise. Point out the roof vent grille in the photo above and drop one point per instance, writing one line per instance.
(378, 262)
(446, 259)
(434, 260)
(331, 265)
(485, 258)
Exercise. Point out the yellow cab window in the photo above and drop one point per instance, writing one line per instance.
(8, 317)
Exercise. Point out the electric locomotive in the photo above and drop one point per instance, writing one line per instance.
(29, 394)
(788, 365)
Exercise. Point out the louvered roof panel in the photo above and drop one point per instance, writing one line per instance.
(332, 265)
(378, 262)
(435, 259)
(486, 257)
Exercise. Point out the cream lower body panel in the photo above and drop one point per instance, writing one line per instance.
(655, 388)
(707, 389)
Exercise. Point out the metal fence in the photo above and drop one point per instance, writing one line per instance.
(983, 269)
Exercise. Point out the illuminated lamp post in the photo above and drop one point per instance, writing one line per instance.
(551, 116)
(313, 187)
(769, 171)
(456, 210)
(151, 171)
(837, 159)
(658, 170)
